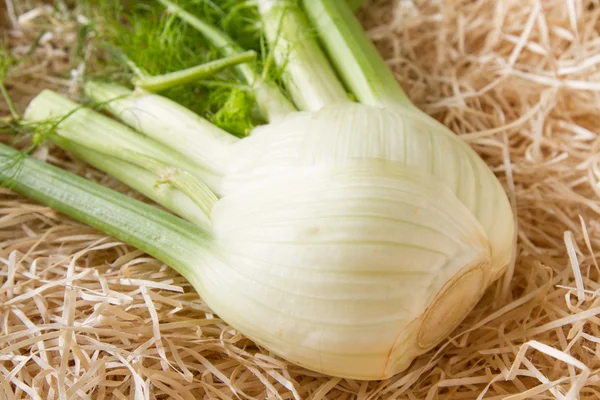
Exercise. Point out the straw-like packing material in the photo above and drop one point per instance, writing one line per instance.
(85, 316)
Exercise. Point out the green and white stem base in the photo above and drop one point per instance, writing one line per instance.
(160, 234)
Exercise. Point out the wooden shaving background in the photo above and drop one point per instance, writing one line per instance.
(85, 316)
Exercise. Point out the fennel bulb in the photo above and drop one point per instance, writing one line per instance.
(345, 237)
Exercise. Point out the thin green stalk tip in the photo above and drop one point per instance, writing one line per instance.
(162, 82)
(11, 106)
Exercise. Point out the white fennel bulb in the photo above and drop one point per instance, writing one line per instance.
(346, 237)
(350, 269)
(350, 239)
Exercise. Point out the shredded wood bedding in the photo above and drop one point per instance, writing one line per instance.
(85, 316)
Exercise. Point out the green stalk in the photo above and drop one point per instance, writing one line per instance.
(91, 129)
(308, 75)
(170, 239)
(141, 180)
(9, 102)
(188, 184)
(168, 123)
(188, 75)
(271, 101)
(354, 56)
(185, 182)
